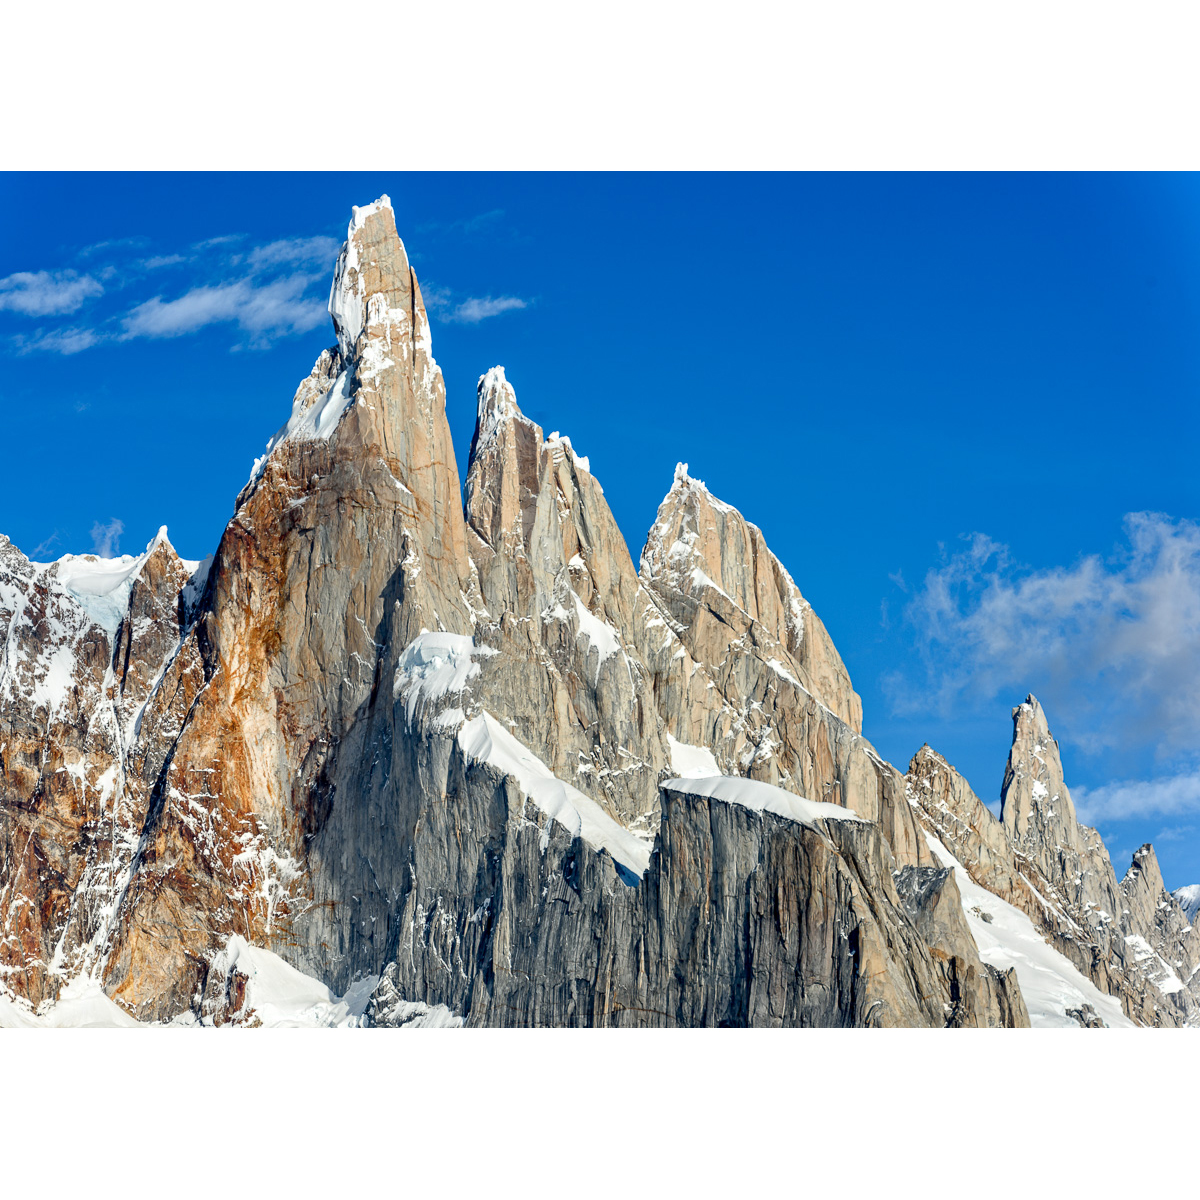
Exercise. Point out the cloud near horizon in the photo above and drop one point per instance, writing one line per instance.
(1110, 646)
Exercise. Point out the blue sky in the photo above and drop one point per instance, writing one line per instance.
(963, 409)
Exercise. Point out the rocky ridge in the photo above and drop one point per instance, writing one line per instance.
(1130, 937)
(466, 762)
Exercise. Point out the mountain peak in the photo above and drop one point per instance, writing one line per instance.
(496, 402)
(359, 214)
(372, 277)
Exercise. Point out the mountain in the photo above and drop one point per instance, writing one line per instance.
(408, 752)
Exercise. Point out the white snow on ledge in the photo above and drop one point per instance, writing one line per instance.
(485, 740)
(762, 797)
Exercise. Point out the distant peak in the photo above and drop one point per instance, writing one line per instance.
(496, 403)
(684, 484)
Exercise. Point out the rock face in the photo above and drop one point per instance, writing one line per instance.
(84, 727)
(743, 665)
(1131, 938)
(468, 756)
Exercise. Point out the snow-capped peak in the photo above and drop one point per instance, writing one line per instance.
(497, 403)
(102, 585)
(347, 294)
(361, 213)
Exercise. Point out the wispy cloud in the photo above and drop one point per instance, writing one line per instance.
(158, 261)
(106, 538)
(43, 547)
(478, 308)
(99, 249)
(464, 225)
(441, 303)
(224, 239)
(57, 341)
(264, 292)
(312, 251)
(47, 293)
(265, 312)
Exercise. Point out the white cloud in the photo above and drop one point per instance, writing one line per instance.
(163, 260)
(1173, 795)
(1112, 647)
(264, 311)
(47, 293)
(313, 251)
(43, 547)
(105, 538)
(440, 302)
(479, 308)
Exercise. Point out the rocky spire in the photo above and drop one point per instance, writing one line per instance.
(559, 586)
(348, 541)
(751, 672)
(715, 572)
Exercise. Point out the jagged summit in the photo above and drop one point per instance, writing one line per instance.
(496, 403)
(370, 280)
(703, 557)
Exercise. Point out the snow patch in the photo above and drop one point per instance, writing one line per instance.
(691, 762)
(102, 586)
(277, 994)
(317, 421)
(581, 461)
(1188, 898)
(82, 1004)
(433, 666)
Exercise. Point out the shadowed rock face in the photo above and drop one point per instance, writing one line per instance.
(741, 919)
(275, 747)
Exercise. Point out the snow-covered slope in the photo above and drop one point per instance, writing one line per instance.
(691, 762)
(484, 739)
(1050, 985)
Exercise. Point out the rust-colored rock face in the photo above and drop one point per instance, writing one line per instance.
(439, 747)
